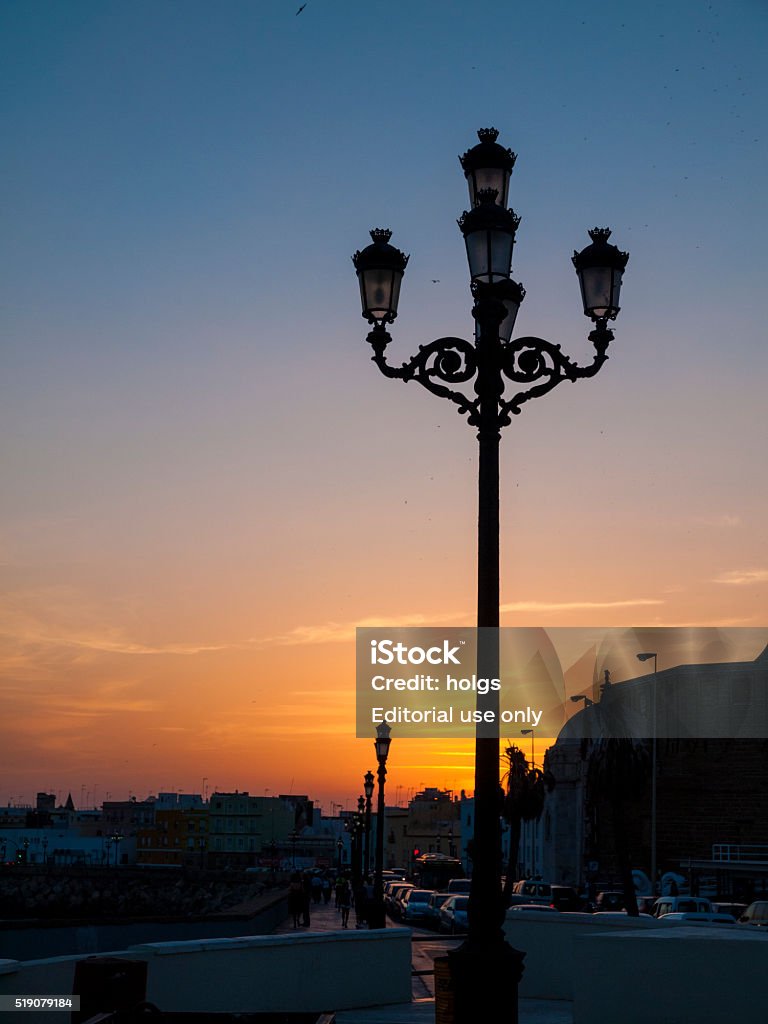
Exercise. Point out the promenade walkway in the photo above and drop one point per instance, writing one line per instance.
(421, 1009)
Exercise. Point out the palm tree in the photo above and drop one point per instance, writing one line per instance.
(617, 772)
(523, 800)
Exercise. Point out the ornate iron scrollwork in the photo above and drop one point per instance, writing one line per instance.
(532, 361)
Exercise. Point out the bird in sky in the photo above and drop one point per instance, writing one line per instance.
(300, 10)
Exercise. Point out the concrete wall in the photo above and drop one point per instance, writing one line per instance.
(320, 971)
(548, 943)
(673, 975)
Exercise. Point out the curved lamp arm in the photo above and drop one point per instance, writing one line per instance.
(525, 360)
(452, 360)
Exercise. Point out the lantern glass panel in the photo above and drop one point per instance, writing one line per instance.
(379, 291)
(600, 291)
(508, 323)
(501, 254)
(489, 177)
(477, 255)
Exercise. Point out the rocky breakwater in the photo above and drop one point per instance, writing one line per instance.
(53, 897)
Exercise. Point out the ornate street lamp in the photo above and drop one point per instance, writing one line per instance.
(475, 376)
(377, 917)
(380, 269)
(600, 268)
(488, 165)
(368, 789)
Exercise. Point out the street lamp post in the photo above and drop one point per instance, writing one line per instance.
(377, 917)
(482, 970)
(368, 788)
(530, 732)
(646, 656)
(531, 825)
(360, 836)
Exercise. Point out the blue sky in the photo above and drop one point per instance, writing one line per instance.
(196, 449)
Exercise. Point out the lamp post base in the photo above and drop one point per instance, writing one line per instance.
(478, 984)
(377, 915)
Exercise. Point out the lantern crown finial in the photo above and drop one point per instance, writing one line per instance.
(384, 234)
(599, 234)
(487, 134)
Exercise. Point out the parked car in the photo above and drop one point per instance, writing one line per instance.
(542, 907)
(530, 891)
(736, 910)
(701, 917)
(565, 898)
(681, 904)
(611, 900)
(396, 890)
(756, 914)
(436, 900)
(461, 885)
(414, 905)
(453, 914)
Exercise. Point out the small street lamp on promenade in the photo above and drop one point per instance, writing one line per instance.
(368, 789)
(376, 914)
(474, 375)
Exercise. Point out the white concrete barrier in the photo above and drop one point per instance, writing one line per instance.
(548, 943)
(311, 971)
(303, 972)
(674, 975)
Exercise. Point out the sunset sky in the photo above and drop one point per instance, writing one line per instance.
(206, 483)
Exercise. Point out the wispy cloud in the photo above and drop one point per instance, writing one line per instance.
(726, 521)
(567, 606)
(343, 632)
(63, 618)
(742, 577)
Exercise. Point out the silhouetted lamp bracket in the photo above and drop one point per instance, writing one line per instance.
(489, 231)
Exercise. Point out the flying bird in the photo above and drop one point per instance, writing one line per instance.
(300, 10)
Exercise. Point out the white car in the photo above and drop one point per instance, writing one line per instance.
(701, 917)
(666, 905)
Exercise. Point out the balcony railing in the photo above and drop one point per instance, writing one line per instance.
(734, 853)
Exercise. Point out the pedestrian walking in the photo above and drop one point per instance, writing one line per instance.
(306, 898)
(344, 899)
(295, 898)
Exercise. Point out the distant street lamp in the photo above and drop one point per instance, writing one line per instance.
(368, 789)
(116, 840)
(529, 732)
(486, 965)
(646, 656)
(377, 917)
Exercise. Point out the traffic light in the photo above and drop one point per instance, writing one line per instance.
(416, 852)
